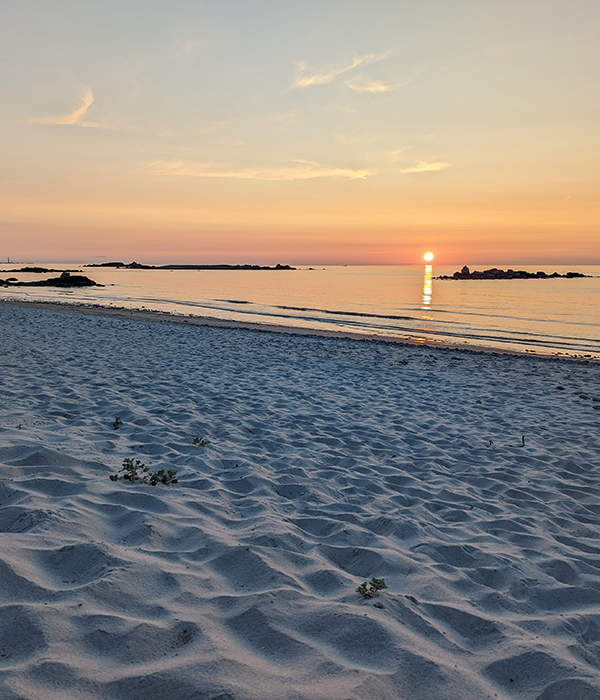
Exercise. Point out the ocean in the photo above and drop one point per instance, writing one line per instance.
(544, 316)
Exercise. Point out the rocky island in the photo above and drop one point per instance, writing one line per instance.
(65, 280)
(495, 273)
(140, 266)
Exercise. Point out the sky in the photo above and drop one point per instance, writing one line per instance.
(300, 132)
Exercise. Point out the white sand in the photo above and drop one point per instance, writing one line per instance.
(330, 461)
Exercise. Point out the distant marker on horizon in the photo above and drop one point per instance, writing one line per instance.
(428, 257)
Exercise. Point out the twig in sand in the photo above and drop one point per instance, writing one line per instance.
(522, 442)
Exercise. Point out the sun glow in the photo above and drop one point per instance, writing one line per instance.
(428, 257)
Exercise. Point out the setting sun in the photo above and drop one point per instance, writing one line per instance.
(428, 257)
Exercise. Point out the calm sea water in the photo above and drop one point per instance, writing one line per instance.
(544, 316)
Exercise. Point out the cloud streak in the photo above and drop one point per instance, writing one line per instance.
(75, 118)
(422, 166)
(307, 79)
(304, 170)
(372, 86)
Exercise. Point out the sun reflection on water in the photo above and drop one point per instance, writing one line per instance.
(427, 290)
(426, 303)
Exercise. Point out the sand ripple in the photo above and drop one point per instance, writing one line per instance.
(329, 462)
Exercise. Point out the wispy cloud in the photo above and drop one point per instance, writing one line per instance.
(303, 170)
(75, 118)
(422, 166)
(373, 86)
(326, 75)
(344, 109)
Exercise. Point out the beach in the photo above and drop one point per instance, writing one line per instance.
(307, 464)
(403, 302)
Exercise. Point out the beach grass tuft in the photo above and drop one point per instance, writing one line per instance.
(135, 470)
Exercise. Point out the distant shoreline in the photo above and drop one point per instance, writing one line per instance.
(139, 266)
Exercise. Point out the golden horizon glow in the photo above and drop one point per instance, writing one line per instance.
(204, 135)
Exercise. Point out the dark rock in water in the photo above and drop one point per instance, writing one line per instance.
(65, 280)
(495, 273)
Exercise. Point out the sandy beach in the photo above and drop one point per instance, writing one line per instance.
(306, 465)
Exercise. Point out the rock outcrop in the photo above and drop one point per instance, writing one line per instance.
(495, 273)
(65, 280)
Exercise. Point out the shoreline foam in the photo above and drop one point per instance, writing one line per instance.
(329, 462)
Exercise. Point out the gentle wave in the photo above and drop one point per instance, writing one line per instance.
(234, 301)
(394, 317)
(347, 313)
(357, 321)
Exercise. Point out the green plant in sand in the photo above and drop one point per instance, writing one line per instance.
(162, 477)
(134, 470)
(369, 590)
(19, 427)
(117, 423)
(201, 442)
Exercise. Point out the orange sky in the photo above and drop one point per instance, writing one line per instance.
(309, 133)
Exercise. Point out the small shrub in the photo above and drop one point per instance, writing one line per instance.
(369, 590)
(201, 442)
(19, 427)
(160, 477)
(117, 423)
(134, 470)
